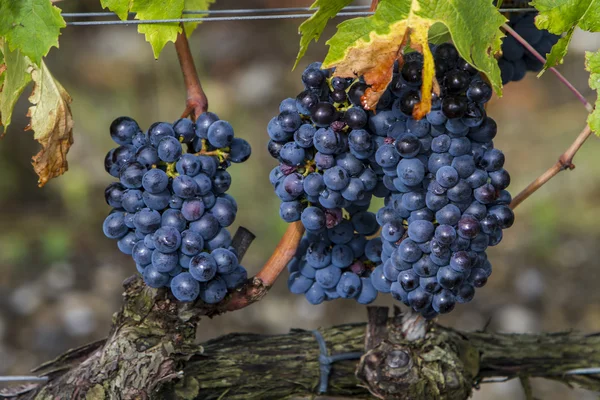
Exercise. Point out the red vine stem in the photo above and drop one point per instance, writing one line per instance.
(373, 5)
(541, 58)
(565, 161)
(262, 282)
(196, 102)
(284, 252)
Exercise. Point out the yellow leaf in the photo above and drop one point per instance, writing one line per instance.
(52, 124)
(374, 58)
(419, 37)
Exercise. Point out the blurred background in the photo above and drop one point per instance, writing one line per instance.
(60, 278)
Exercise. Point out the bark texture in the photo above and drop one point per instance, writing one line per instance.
(150, 354)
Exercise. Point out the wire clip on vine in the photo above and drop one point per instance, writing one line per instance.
(325, 360)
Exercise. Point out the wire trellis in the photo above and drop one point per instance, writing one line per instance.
(252, 14)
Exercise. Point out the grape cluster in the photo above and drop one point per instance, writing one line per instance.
(170, 207)
(449, 200)
(324, 147)
(442, 179)
(337, 262)
(516, 60)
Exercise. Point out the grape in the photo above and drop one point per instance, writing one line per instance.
(504, 215)
(349, 285)
(184, 287)
(169, 149)
(412, 71)
(192, 243)
(203, 267)
(236, 278)
(155, 181)
(167, 239)
(447, 176)
(221, 181)
(164, 262)
(457, 81)
(299, 284)
(323, 114)
(315, 294)
(113, 194)
(328, 277)
(355, 118)
(313, 184)
(292, 154)
(368, 293)
(158, 201)
(220, 134)
(147, 156)
(123, 129)
(411, 171)
(154, 278)
(224, 212)
(221, 239)
(131, 175)
(313, 78)
(126, 243)
(213, 291)
(454, 106)
(290, 211)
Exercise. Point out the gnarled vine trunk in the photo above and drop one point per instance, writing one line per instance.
(150, 354)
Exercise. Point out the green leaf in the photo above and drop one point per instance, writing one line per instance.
(16, 78)
(369, 46)
(158, 34)
(32, 26)
(193, 5)
(475, 29)
(562, 17)
(592, 64)
(312, 28)
(52, 124)
(438, 33)
(119, 7)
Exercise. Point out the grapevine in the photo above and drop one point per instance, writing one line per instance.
(396, 110)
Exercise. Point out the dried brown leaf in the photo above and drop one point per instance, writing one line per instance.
(52, 124)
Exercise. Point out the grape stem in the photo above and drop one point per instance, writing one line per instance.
(258, 287)
(196, 102)
(373, 5)
(541, 58)
(564, 162)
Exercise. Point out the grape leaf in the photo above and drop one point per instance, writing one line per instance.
(16, 78)
(563, 16)
(119, 7)
(369, 46)
(158, 34)
(32, 26)
(52, 124)
(592, 64)
(312, 28)
(190, 5)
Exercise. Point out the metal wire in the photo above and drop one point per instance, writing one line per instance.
(22, 378)
(207, 19)
(216, 12)
(309, 12)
